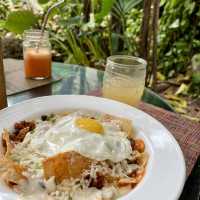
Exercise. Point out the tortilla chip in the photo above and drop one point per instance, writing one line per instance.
(65, 166)
(127, 181)
(125, 124)
(143, 159)
(64, 113)
(8, 146)
(11, 172)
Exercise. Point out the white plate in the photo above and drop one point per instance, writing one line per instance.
(165, 174)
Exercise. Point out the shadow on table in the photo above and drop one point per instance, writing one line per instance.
(191, 189)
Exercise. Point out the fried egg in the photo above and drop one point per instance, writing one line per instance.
(86, 135)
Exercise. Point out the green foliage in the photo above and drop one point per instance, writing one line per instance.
(2, 24)
(122, 10)
(18, 21)
(79, 42)
(179, 35)
(43, 1)
(133, 24)
(96, 39)
(3, 9)
(122, 7)
(195, 85)
(196, 79)
(106, 6)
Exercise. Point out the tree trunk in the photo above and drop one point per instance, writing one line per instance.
(144, 33)
(145, 42)
(156, 9)
(86, 10)
(148, 39)
(3, 98)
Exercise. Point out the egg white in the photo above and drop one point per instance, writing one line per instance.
(65, 136)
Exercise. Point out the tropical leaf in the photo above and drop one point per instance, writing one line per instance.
(19, 21)
(115, 37)
(196, 78)
(174, 3)
(43, 1)
(160, 76)
(162, 2)
(130, 5)
(74, 20)
(123, 7)
(118, 11)
(183, 89)
(179, 104)
(78, 53)
(2, 24)
(94, 48)
(175, 24)
(61, 44)
(94, 5)
(106, 7)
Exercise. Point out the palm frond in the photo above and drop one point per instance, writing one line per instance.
(130, 5)
(122, 7)
(105, 9)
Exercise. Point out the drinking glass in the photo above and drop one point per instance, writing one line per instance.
(124, 79)
(37, 54)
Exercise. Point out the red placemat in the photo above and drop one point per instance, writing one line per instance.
(186, 132)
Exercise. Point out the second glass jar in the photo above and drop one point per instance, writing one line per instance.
(124, 79)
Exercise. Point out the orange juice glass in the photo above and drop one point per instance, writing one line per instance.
(37, 55)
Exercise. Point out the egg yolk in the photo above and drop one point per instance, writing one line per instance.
(89, 124)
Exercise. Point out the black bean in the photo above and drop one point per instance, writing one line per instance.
(44, 117)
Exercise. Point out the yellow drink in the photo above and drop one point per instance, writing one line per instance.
(128, 91)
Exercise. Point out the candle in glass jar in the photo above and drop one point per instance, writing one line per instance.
(37, 63)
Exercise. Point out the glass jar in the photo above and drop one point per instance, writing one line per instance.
(124, 79)
(37, 54)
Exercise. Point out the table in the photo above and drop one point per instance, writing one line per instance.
(76, 80)
(84, 80)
